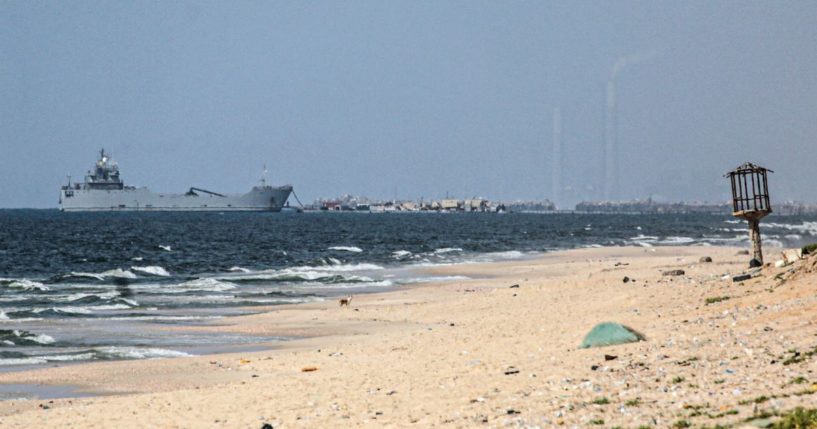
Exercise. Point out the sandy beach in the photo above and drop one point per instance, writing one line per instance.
(481, 353)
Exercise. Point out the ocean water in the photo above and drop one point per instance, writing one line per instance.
(103, 286)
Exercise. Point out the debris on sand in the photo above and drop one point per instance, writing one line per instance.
(610, 333)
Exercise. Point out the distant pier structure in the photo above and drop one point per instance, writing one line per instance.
(750, 201)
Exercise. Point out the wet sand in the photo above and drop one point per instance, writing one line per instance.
(481, 353)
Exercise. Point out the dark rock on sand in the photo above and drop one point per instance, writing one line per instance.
(741, 277)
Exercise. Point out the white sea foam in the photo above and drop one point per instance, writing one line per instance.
(137, 259)
(22, 361)
(110, 307)
(375, 284)
(353, 249)
(642, 237)
(239, 270)
(206, 284)
(118, 273)
(399, 254)
(447, 250)
(38, 360)
(337, 268)
(37, 338)
(509, 254)
(87, 275)
(129, 302)
(809, 228)
(773, 243)
(165, 248)
(105, 353)
(115, 352)
(68, 357)
(301, 274)
(152, 270)
(168, 318)
(79, 296)
(650, 240)
(66, 310)
(26, 284)
(676, 240)
(435, 279)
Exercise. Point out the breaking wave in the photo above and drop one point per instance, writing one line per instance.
(152, 270)
(24, 284)
(96, 353)
(447, 250)
(352, 249)
(18, 337)
(205, 284)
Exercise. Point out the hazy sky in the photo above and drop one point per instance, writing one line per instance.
(417, 98)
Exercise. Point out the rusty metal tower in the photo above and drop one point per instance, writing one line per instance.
(750, 201)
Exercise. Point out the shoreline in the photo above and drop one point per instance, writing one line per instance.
(443, 348)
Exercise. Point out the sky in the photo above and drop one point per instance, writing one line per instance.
(408, 99)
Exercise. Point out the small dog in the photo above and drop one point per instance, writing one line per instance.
(347, 301)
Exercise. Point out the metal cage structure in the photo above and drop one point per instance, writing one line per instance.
(750, 201)
(750, 191)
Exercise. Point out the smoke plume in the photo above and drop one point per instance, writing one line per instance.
(628, 60)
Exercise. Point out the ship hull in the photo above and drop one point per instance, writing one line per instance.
(267, 198)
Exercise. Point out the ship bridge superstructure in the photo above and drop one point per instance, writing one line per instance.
(105, 174)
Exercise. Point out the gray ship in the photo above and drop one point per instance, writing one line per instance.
(104, 190)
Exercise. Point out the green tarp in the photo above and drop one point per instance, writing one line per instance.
(610, 333)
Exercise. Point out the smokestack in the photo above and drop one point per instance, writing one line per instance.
(556, 170)
(610, 145)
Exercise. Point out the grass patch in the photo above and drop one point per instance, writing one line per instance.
(716, 299)
(601, 401)
(798, 380)
(633, 402)
(680, 424)
(797, 357)
(723, 414)
(597, 422)
(677, 380)
(758, 400)
(799, 418)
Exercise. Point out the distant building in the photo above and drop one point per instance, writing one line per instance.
(651, 207)
(477, 205)
(450, 205)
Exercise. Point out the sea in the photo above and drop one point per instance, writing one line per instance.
(78, 287)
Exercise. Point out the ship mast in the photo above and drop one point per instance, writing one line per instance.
(264, 177)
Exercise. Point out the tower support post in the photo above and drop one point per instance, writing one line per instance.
(754, 235)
